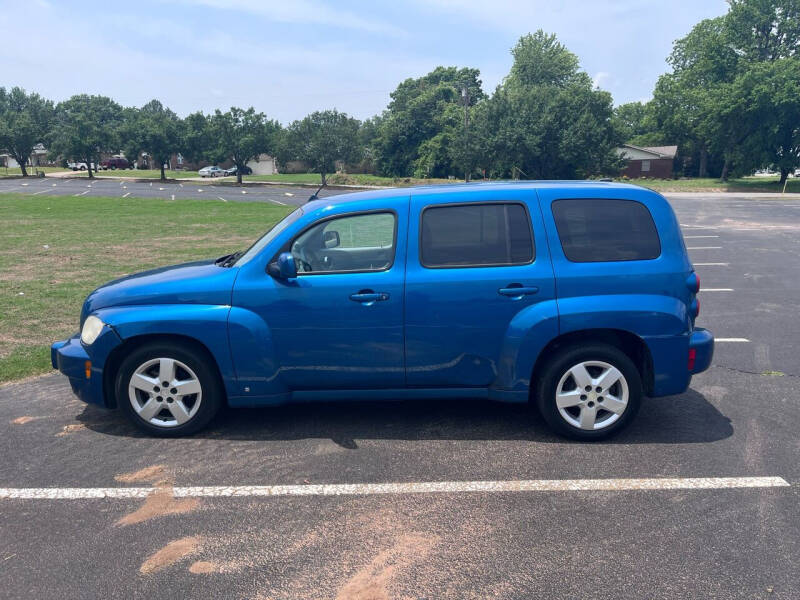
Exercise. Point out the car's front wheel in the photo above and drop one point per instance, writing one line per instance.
(168, 389)
(589, 392)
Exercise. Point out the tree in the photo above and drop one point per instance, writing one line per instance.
(25, 120)
(241, 136)
(196, 140)
(546, 120)
(422, 119)
(153, 129)
(635, 122)
(86, 126)
(321, 139)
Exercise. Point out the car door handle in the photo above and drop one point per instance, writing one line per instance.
(368, 296)
(517, 291)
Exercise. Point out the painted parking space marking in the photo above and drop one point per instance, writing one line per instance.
(705, 248)
(430, 487)
(697, 237)
(126, 195)
(81, 194)
(732, 340)
(716, 290)
(276, 201)
(41, 192)
(711, 264)
(221, 198)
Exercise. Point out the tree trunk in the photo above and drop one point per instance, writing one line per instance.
(324, 178)
(725, 169)
(784, 175)
(163, 175)
(238, 174)
(22, 167)
(89, 168)
(703, 170)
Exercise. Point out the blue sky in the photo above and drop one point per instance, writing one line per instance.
(292, 57)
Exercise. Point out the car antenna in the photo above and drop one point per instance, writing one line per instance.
(314, 196)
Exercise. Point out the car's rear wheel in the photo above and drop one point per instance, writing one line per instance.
(168, 389)
(589, 392)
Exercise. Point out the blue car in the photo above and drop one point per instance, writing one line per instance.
(578, 297)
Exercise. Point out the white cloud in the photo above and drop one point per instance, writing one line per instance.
(599, 78)
(303, 12)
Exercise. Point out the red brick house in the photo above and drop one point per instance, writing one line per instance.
(649, 161)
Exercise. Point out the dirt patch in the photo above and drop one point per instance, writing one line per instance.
(170, 554)
(68, 429)
(23, 420)
(160, 503)
(150, 474)
(372, 581)
(202, 567)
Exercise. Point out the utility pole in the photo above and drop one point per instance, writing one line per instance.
(465, 97)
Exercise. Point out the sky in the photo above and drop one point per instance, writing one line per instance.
(289, 58)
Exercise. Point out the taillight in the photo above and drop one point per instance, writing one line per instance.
(692, 358)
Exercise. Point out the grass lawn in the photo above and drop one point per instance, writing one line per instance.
(743, 184)
(16, 172)
(91, 241)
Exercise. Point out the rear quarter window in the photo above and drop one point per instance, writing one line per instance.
(605, 230)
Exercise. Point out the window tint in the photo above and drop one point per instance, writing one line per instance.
(476, 234)
(600, 230)
(363, 242)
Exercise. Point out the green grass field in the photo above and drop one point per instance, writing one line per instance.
(743, 184)
(55, 250)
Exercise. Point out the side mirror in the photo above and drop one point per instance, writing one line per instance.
(331, 239)
(283, 268)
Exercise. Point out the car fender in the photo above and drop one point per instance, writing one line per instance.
(203, 323)
(528, 333)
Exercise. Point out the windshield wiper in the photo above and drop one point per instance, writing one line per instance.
(228, 259)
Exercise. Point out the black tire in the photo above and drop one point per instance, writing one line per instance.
(558, 366)
(212, 396)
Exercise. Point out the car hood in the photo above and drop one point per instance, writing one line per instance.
(201, 282)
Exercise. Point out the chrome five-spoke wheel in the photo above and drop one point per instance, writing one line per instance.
(592, 395)
(165, 392)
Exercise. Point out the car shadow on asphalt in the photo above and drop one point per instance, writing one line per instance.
(685, 419)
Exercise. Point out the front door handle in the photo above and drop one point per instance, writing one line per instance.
(517, 291)
(369, 297)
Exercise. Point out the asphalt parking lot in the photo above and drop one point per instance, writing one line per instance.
(282, 503)
(210, 189)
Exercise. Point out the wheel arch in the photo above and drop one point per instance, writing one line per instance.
(631, 344)
(128, 345)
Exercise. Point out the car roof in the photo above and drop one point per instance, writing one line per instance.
(460, 188)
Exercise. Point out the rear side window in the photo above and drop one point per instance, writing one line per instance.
(472, 235)
(603, 230)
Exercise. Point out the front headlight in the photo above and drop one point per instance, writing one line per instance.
(92, 327)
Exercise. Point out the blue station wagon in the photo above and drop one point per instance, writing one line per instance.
(578, 297)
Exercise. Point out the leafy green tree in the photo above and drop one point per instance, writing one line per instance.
(427, 109)
(241, 136)
(153, 129)
(25, 120)
(196, 141)
(321, 139)
(546, 120)
(635, 122)
(86, 126)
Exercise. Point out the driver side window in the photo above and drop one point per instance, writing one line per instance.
(353, 243)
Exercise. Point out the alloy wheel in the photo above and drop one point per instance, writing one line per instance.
(592, 395)
(165, 392)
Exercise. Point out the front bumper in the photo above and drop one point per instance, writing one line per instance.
(83, 365)
(702, 342)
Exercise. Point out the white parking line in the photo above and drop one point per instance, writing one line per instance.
(276, 201)
(221, 198)
(81, 194)
(41, 192)
(732, 340)
(716, 289)
(705, 248)
(697, 226)
(711, 264)
(432, 487)
(126, 195)
(173, 196)
(697, 237)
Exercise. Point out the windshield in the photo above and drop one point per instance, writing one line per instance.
(265, 239)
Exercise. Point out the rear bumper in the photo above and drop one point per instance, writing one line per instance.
(702, 342)
(83, 366)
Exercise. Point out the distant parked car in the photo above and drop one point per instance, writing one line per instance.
(214, 171)
(233, 170)
(115, 163)
(81, 166)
